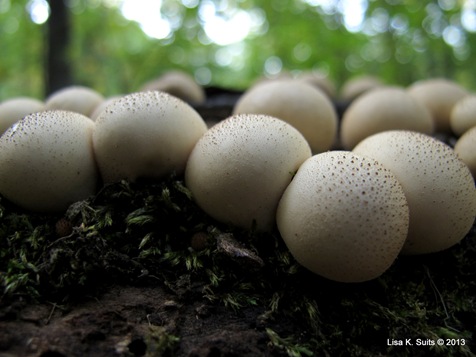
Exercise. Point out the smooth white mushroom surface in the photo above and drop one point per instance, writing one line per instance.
(439, 95)
(463, 115)
(239, 169)
(385, 108)
(78, 99)
(344, 216)
(300, 104)
(14, 109)
(47, 161)
(465, 147)
(356, 86)
(319, 79)
(439, 187)
(179, 84)
(145, 134)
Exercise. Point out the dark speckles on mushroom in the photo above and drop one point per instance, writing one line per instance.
(153, 141)
(39, 166)
(341, 230)
(439, 187)
(237, 176)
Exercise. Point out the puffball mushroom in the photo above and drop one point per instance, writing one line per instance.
(319, 79)
(78, 99)
(385, 108)
(145, 134)
(358, 85)
(239, 169)
(344, 216)
(180, 84)
(103, 106)
(47, 161)
(438, 186)
(14, 109)
(465, 148)
(439, 95)
(300, 104)
(463, 115)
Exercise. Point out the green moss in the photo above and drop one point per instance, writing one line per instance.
(150, 233)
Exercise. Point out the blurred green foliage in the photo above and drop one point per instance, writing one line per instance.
(398, 40)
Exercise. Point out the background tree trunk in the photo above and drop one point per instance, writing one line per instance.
(57, 62)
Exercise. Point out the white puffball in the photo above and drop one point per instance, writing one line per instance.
(145, 134)
(438, 185)
(344, 216)
(300, 104)
(47, 161)
(239, 169)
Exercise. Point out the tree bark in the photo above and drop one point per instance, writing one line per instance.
(58, 73)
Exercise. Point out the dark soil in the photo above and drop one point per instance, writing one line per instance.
(131, 321)
(139, 270)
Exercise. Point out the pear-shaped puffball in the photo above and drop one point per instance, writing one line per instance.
(463, 115)
(465, 147)
(438, 185)
(385, 108)
(77, 99)
(145, 134)
(300, 104)
(47, 161)
(179, 84)
(14, 109)
(239, 169)
(439, 95)
(344, 216)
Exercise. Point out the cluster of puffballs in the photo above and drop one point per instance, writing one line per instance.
(347, 197)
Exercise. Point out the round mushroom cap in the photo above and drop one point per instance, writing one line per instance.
(179, 84)
(439, 96)
(239, 169)
(344, 216)
(300, 104)
(103, 106)
(385, 108)
(465, 148)
(145, 135)
(356, 86)
(47, 161)
(77, 99)
(439, 187)
(319, 80)
(14, 109)
(463, 115)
